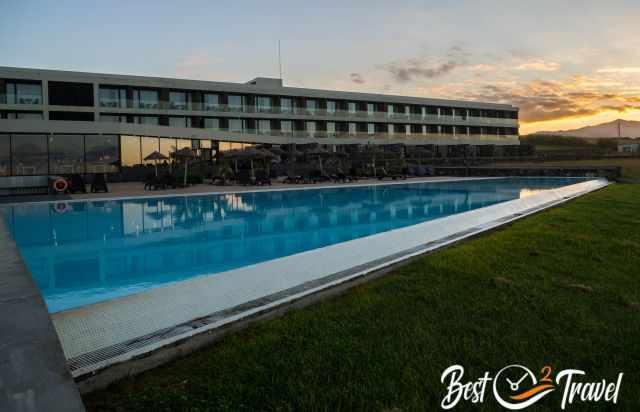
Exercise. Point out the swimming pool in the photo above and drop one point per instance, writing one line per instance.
(83, 252)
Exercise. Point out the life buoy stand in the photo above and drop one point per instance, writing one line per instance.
(60, 185)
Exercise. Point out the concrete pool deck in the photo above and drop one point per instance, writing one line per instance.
(102, 341)
(33, 370)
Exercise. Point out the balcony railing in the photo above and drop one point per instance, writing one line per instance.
(26, 100)
(338, 114)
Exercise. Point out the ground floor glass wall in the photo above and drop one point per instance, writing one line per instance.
(42, 154)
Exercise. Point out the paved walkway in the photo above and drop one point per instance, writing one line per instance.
(33, 370)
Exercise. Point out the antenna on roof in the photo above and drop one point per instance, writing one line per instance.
(279, 60)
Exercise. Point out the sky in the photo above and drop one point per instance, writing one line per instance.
(565, 64)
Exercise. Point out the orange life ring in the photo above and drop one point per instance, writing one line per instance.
(60, 185)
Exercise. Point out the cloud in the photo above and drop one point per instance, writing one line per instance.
(538, 65)
(423, 67)
(357, 78)
(618, 70)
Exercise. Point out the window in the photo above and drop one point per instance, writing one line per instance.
(113, 97)
(23, 93)
(236, 125)
(167, 146)
(390, 110)
(423, 111)
(286, 105)
(311, 106)
(149, 145)
(263, 104)
(407, 129)
(145, 99)
(310, 128)
(211, 123)
(178, 100)
(66, 153)
(370, 109)
(331, 107)
(113, 118)
(28, 115)
(407, 110)
(331, 129)
(72, 116)
(264, 126)
(371, 128)
(286, 127)
(183, 143)
(101, 153)
(130, 150)
(5, 155)
(391, 129)
(153, 120)
(236, 103)
(351, 107)
(70, 94)
(29, 153)
(211, 102)
(353, 129)
(177, 121)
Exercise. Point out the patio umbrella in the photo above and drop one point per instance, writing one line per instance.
(155, 156)
(186, 154)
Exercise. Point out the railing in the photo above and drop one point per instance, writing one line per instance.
(360, 115)
(26, 100)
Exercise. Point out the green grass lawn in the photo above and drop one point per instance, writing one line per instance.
(630, 166)
(559, 288)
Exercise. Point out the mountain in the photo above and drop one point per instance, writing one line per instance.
(627, 128)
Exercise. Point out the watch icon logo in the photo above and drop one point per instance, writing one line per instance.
(515, 387)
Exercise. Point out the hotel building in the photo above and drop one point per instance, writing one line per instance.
(62, 122)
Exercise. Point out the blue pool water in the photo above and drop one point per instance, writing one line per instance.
(85, 252)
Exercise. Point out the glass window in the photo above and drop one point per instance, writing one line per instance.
(390, 109)
(331, 106)
(407, 129)
(205, 144)
(29, 115)
(211, 123)
(351, 107)
(264, 126)
(424, 129)
(370, 109)
(286, 105)
(407, 110)
(211, 101)
(423, 111)
(29, 153)
(236, 125)
(286, 126)
(331, 128)
(175, 121)
(183, 143)
(113, 118)
(101, 152)
(178, 100)
(352, 128)
(310, 128)
(149, 145)
(130, 150)
(153, 120)
(113, 97)
(311, 106)
(167, 146)
(371, 128)
(236, 103)
(24, 93)
(146, 99)
(5, 155)
(263, 104)
(66, 153)
(391, 129)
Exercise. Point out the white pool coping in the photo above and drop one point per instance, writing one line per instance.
(90, 333)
